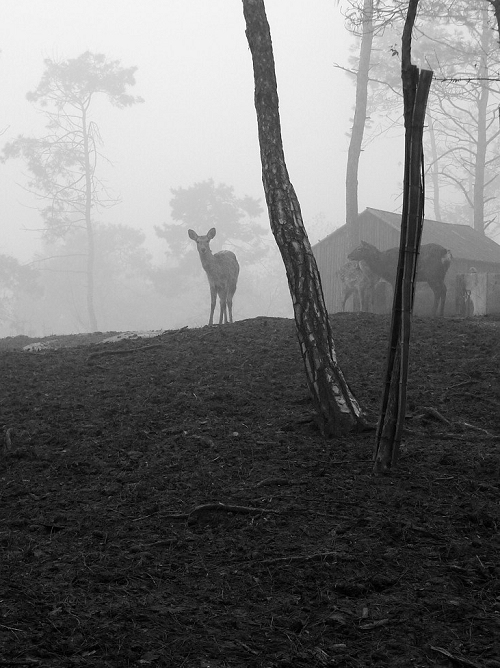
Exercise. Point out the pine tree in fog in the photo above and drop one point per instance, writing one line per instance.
(202, 206)
(63, 163)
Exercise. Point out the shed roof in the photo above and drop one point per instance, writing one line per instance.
(462, 240)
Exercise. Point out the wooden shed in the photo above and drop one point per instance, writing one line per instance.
(382, 229)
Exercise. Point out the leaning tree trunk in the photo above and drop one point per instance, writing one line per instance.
(337, 409)
(358, 125)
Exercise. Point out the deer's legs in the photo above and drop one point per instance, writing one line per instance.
(443, 299)
(365, 299)
(223, 311)
(230, 307)
(223, 306)
(213, 299)
(356, 300)
(439, 298)
(347, 294)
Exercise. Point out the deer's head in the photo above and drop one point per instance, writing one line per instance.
(363, 252)
(202, 242)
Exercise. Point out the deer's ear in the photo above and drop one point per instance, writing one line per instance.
(192, 235)
(211, 233)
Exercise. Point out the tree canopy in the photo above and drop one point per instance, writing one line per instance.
(75, 81)
(200, 207)
(204, 205)
(457, 40)
(63, 163)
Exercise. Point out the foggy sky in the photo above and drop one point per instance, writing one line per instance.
(198, 120)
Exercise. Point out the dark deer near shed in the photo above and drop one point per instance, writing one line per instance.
(433, 263)
(357, 280)
(222, 270)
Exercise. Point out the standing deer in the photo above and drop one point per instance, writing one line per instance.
(222, 271)
(359, 281)
(433, 263)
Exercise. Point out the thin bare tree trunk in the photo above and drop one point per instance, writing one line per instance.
(89, 227)
(481, 141)
(434, 169)
(358, 125)
(337, 409)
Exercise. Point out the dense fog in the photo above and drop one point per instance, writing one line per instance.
(172, 143)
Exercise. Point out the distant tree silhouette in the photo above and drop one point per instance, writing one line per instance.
(63, 163)
(16, 280)
(202, 206)
(123, 284)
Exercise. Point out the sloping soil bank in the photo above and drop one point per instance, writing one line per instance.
(115, 550)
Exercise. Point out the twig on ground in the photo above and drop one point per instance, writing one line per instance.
(480, 429)
(222, 507)
(457, 658)
(318, 556)
(456, 437)
(428, 411)
(279, 481)
(455, 385)
(344, 461)
(7, 443)
(219, 507)
(367, 626)
(19, 662)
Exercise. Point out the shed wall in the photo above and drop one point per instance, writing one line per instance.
(331, 254)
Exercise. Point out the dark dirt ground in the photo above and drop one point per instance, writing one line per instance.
(106, 455)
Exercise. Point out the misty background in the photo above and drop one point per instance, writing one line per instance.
(196, 129)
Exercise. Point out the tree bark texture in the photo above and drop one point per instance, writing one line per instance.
(337, 409)
(358, 125)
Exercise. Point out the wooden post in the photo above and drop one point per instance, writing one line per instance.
(416, 87)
